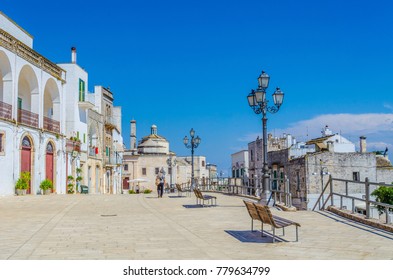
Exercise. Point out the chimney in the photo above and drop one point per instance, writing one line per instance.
(330, 146)
(73, 55)
(363, 144)
(133, 135)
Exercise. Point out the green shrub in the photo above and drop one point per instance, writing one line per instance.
(46, 185)
(384, 195)
(131, 192)
(23, 181)
(147, 191)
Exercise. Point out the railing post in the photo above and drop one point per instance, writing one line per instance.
(367, 185)
(331, 190)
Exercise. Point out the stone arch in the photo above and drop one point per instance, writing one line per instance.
(28, 90)
(5, 79)
(51, 100)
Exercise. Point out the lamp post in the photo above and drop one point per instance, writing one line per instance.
(194, 143)
(258, 102)
(171, 163)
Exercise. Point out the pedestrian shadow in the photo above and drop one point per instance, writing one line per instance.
(176, 196)
(248, 236)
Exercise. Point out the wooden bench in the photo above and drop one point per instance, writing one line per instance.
(203, 197)
(252, 211)
(266, 217)
(180, 191)
(84, 189)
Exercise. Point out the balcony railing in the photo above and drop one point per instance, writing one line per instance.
(5, 111)
(27, 118)
(110, 122)
(112, 160)
(51, 125)
(72, 145)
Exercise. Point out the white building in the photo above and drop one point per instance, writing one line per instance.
(32, 113)
(240, 163)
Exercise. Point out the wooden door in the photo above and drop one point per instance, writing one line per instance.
(49, 162)
(26, 159)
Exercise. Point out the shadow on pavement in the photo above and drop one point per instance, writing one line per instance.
(253, 236)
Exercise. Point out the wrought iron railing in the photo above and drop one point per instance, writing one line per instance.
(51, 125)
(5, 111)
(27, 118)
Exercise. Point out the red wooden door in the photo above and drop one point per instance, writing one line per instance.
(125, 183)
(26, 159)
(49, 162)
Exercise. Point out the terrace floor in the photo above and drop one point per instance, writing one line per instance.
(144, 227)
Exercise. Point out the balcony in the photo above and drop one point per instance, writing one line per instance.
(112, 161)
(27, 118)
(51, 125)
(5, 111)
(110, 122)
(93, 152)
(72, 145)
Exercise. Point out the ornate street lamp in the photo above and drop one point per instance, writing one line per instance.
(171, 163)
(259, 104)
(194, 143)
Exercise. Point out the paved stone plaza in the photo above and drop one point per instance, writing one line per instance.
(144, 227)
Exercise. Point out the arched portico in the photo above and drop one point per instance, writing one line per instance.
(5, 87)
(51, 106)
(28, 97)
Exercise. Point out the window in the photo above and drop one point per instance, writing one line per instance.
(356, 176)
(144, 171)
(126, 167)
(170, 170)
(81, 90)
(19, 103)
(157, 170)
(203, 163)
(252, 155)
(2, 143)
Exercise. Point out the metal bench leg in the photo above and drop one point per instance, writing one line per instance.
(274, 234)
(262, 230)
(283, 231)
(297, 239)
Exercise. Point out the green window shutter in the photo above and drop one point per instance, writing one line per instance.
(81, 90)
(84, 137)
(19, 103)
(77, 134)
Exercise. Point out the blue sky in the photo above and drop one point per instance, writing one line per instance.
(182, 63)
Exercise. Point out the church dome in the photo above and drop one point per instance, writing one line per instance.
(153, 143)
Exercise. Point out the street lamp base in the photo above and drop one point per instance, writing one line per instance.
(266, 199)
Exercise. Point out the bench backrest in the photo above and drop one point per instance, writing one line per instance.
(198, 193)
(252, 211)
(265, 214)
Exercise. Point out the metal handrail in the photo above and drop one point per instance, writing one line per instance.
(367, 199)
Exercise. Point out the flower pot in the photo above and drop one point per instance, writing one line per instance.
(21, 191)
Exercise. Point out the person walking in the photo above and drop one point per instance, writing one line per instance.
(160, 182)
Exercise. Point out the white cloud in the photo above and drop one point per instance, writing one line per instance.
(388, 106)
(378, 128)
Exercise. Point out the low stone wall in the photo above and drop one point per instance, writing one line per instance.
(361, 218)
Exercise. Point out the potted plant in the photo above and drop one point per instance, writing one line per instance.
(384, 194)
(70, 185)
(22, 184)
(46, 186)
